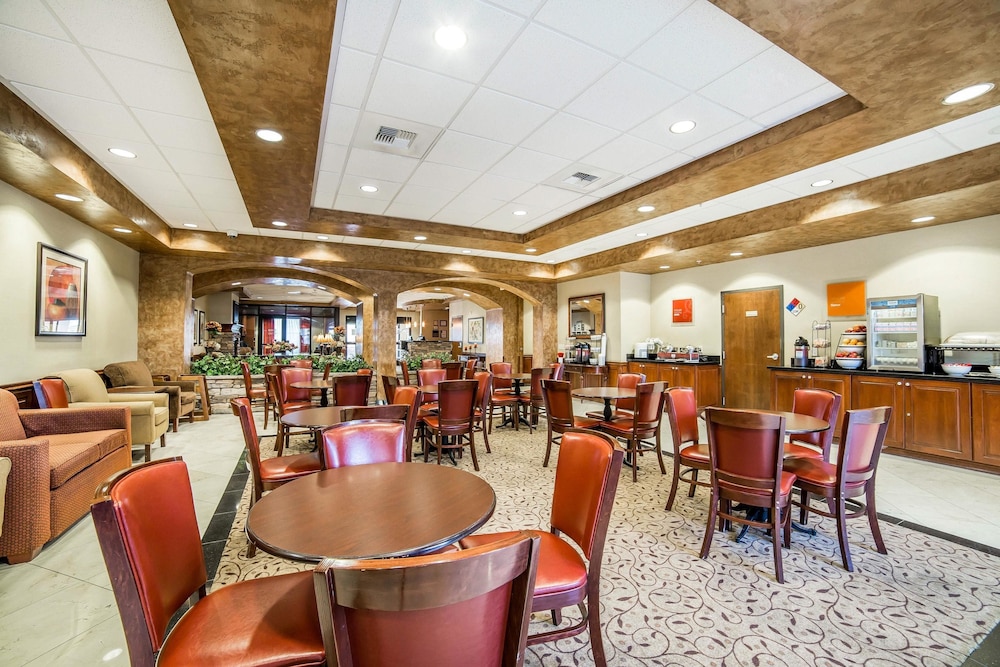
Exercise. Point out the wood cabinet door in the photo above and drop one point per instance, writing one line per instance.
(840, 384)
(708, 384)
(938, 418)
(986, 423)
(681, 376)
(646, 368)
(873, 392)
(783, 386)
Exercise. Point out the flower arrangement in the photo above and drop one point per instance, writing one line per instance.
(654, 341)
(213, 328)
(281, 346)
(339, 340)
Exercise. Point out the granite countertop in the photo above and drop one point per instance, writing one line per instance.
(706, 360)
(895, 374)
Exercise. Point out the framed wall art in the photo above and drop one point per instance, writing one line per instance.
(61, 293)
(476, 330)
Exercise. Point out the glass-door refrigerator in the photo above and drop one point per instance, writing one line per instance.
(899, 328)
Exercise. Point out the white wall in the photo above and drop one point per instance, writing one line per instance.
(464, 309)
(112, 285)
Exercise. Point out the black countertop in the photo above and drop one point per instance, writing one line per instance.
(705, 360)
(987, 377)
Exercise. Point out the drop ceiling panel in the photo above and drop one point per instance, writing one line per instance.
(817, 97)
(569, 137)
(34, 60)
(527, 165)
(416, 210)
(424, 197)
(624, 97)
(360, 204)
(624, 155)
(727, 137)
(711, 119)
(148, 156)
(974, 131)
(468, 208)
(800, 184)
(178, 215)
(610, 26)
(467, 151)
(443, 176)
(494, 186)
(146, 179)
(400, 87)
(500, 117)
(239, 220)
(197, 163)
(545, 197)
(351, 185)
(374, 164)
(333, 158)
(668, 163)
(350, 83)
(340, 124)
(367, 23)
(33, 17)
(930, 147)
(179, 132)
(327, 181)
(145, 86)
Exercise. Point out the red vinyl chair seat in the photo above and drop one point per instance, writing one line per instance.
(816, 473)
(560, 566)
(793, 450)
(292, 466)
(266, 621)
(695, 453)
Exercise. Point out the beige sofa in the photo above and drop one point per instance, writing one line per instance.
(134, 376)
(150, 412)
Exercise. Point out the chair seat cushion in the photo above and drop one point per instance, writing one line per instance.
(266, 621)
(801, 451)
(283, 468)
(188, 397)
(812, 470)
(504, 398)
(295, 406)
(161, 415)
(695, 454)
(69, 458)
(586, 422)
(560, 567)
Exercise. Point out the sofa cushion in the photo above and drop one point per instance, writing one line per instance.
(188, 397)
(129, 374)
(10, 424)
(105, 441)
(161, 415)
(84, 386)
(69, 458)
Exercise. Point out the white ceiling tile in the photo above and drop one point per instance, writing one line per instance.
(33, 17)
(503, 219)
(32, 60)
(974, 131)
(366, 23)
(332, 157)
(413, 211)
(759, 196)
(699, 46)
(765, 81)
(543, 197)
(180, 132)
(661, 166)
(624, 97)
(626, 154)
(230, 219)
(340, 124)
(711, 118)
(178, 215)
(415, 94)
(351, 186)
(467, 209)
(522, 7)
(617, 27)
(156, 195)
(709, 212)
(489, 31)
(324, 198)
(622, 184)
(360, 205)
(727, 137)
(327, 180)
(500, 117)
(800, 183)
(148, 156)
(350, 82)
(492, 186)
(197, 163)
(146, 179)
(402, 245)
(528, 165)
(570, 68)
(569, 137)
(420, 195)
(443, 176)
(146, 86)
(141, 30)
(360, 240)
(466, 151)
(934, 147)
(215, 193)
(279, 233)
(375, 164)
(797, 106)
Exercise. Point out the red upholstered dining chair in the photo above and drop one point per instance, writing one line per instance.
(270, 473)
(411, 397)
(852, 476)
(558, 399)
(404, 370)
(745, 449)
(468, 607)
(430, 377)
(386, 411)
(501, 368)
(624, 407)
(453, 370)
(430, 363)
(557, 371)
(682, 412)
(453, 420)
(50, 393)
(533, 402)
(149, 535)
(353, 443)
(301, 363)
(484, 392)
(470, 367)
(288, 399)
(351, 389)
(822, 404)
(586, 481)
(389, 384)
(641, 430)
(255, 394)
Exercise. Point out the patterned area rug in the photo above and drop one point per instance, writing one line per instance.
(928, 602)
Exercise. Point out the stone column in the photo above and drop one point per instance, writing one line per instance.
(166, 316)
(384, 334)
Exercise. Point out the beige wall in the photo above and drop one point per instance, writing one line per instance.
(112, 284)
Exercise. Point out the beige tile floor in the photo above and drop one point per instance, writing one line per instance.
(59, 608)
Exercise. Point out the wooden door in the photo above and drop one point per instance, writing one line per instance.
(751, 341)
(986, 423)
(938, 418)
(871, 392)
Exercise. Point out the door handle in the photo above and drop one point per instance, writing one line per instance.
(773, 357)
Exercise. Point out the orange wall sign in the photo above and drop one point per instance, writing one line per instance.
(683, 310)
(846, 299)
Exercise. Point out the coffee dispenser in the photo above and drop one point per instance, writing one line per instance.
(801, 358)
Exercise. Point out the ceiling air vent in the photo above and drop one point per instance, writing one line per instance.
(583, 178)
(580, 179)
(390, 136)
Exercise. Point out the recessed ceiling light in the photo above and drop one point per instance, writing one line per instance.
(235, 284)
(821, 183)
(531, 250)
(465, 294)
(735, 254)
(322, 237)
(298, 291)
(665, 266)
(550, 261)
(520, 212)
(419, 238)
(466, 252)
(450, 37)
(641, 234)
(646, 208)
(437, 289)
(279, 223)
(969, 93)
(925, 218)
(190, 225)
(682, 126)
(269, 135)
(368, 188)
(65, 197)
(121, 152)
(322, 288)
(122, 230)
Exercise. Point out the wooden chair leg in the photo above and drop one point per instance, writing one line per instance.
(175, 421)
(674, 482)
(633, 448)
(694, 482)
(803, 506)
(548, 451)
(163, 439)
(659, 455)
(593, 611)
(149, 452)
(845, 548)
(713, 508)
(873, 518)
(472, 448)
(776, 545)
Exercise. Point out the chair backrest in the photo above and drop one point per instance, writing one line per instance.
(483, 392)
(558, 400)
(148, 532)
(389, 385)
(682, 411)
(326, 370)
(430, 363)
(387, 411)
(586, 481)
(288, 375)
(351, 389)
(746, 450)
(649, 400)
(557, 370)
(50, 393)
(501, 368)
(411, 397)
(379, 612)
(11, 427)
(128, 374)
(247, 379)
(365, 371)
(453, 370)
(456, 403)
(861, 442)
(84, 386)
(822, 404)
(274, 389)
(430, 376)
(404, 370)
(470, 367)
(363, 441)
(241, 408)
(628, 381)
(537, 375)
(301, 363)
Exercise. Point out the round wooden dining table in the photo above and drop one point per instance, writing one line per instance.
(606, 393)
(795, 424)
(377, 510)
(323, 385)
(315, 418)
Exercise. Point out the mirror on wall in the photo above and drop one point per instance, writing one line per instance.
(586, 315)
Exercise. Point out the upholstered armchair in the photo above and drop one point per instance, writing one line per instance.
(134, 376)
(150, 412)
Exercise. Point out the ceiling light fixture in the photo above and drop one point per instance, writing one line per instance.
(665, 266)
(682, 126)
(968, 93)
(121, 152)
(368, 188)
(298, 291)
(269, 135)
(550, 261)
(322, 237)
(519, 212)
(122, 230)
(236, 283)
(735, 254)
(646, 208)
(924, 218)
(821, 183)
(437, 289)
(279, 223)
(466, 252)
(465, 294)
(65, 197)
(419, 238)
(190, 225)
(450, 37)
(641, 234)
(531, 250)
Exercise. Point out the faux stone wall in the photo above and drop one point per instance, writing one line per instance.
(222, 388)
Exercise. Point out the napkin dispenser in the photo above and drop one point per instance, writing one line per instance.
(641, 350)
